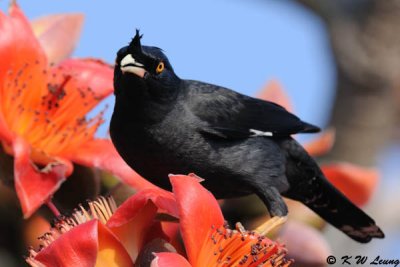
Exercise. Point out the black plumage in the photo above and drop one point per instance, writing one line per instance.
(239, 145)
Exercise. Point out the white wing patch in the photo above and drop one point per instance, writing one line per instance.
(259, 133)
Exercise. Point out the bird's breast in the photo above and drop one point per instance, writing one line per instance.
(153, 150)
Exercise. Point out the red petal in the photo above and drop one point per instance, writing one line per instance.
(111, 252)
(164, 201)
(101, 153)
(274, 92)
(356, 182)
(18, 44)
(18, 47)
(132, 232)
(35, 187)
(198, 212)
(58, 34)
(322, 144)
(77, 247)
(88, 82)
(171, 231)
(92, 73)
(134, 218)
(167, 259)
(88, 244)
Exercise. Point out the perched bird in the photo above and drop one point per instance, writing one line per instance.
(238, 144)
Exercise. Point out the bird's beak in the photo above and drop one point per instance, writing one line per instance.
(129, 64)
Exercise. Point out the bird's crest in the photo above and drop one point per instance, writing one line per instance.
(135, 43)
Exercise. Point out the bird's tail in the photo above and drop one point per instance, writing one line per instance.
(309, 185)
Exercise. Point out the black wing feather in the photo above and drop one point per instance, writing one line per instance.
(229, 114)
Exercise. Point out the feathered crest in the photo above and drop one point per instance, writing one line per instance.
(135, 43)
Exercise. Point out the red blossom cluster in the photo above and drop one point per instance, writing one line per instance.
(104, 235)
(43, 109)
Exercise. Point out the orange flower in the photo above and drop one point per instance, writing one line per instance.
(43, 114)
(208, 241)
(356, 182)
(109, 236)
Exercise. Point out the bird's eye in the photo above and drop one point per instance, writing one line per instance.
(160, 67)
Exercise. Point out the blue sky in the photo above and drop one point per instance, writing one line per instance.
(238, 44)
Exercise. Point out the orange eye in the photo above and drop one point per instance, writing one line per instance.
(160, 67)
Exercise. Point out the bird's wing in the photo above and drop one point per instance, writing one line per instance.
(228, 114)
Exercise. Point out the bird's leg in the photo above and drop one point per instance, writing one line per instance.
(273, 200)
(276, 207)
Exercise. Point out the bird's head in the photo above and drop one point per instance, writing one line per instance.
(144, 70)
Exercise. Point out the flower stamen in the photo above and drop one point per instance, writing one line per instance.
(238, 247)
(53, 118)
(102, 209)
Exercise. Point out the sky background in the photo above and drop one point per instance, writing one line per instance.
(237, 44)
(234, 43)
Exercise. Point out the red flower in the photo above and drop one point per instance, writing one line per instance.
(208, 241)
(87, 239)
(106, 236)
(43, 114)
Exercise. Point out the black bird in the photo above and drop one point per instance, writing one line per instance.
(240, 145)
